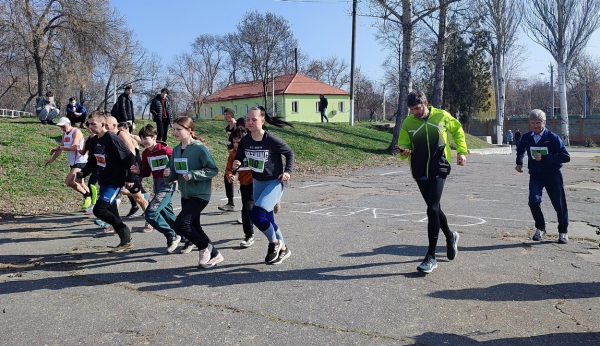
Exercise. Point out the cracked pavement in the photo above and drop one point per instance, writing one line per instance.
(351, 280)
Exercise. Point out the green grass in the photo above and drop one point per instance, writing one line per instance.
(28, 188)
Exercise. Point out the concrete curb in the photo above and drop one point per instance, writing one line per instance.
(503, 150)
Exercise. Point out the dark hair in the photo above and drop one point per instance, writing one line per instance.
(71, 99)
(125, 124)
(128, 87)
(275, 121)
(238, 132)
(188, 123)
(415, 97)
(164, 90)
(148, 131)
(49, 94)
(241, 122)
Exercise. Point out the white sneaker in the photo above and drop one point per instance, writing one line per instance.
(539, 233)
(226, 207)
(563, 238)
(204, 256)
(173, 243)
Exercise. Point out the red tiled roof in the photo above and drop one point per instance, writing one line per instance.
(297, 84)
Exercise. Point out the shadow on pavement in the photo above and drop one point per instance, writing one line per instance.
(523, 292)
(571, 339)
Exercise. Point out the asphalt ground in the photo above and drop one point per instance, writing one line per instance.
(356, 241)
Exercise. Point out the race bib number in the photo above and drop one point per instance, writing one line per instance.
(67, 141)
(158, 162)
(257, 164)
(539, 150)
(181, 165)
(101, 160)
(244, 166)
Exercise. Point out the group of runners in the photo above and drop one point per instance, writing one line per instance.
(256, 157)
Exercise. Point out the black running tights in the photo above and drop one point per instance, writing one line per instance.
(431, 190)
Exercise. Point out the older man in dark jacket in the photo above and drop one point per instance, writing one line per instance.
(161, 113)
(124, 108)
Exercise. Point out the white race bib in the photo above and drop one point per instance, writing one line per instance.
(539, 150)
(181, 165)
(101, 160)
(158, 162)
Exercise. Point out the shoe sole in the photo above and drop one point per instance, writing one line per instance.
(245, 246)
(427, 271)
(206, 266)
(129, 248)
(280, 259)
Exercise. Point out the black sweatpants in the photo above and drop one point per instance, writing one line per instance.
(187, 223)
(247, 205)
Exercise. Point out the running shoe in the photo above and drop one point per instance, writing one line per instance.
(452, 246)
(239, 221)
(539, 233)
(283, 254)
(205, 255)
(90, 211)
(123, 247)
(218, 258)
(172, 243)
(247, 242)
(273, 252)
(428, 265)
(101, 223)
(147, 228)
(94, 193)
(87, 202)
(563, 238)
(134, 209)
(187, 248)
(226, 207)
(105, 232)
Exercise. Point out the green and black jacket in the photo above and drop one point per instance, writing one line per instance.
(428, 141)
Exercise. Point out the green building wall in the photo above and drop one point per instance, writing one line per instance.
(301, 108)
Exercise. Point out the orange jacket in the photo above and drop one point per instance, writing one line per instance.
(244, 177)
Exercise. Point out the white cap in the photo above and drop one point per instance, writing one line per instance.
(63, 121)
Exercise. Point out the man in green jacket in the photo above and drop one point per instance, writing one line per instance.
(424, 141)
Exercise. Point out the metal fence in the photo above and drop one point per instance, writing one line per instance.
(10, 113)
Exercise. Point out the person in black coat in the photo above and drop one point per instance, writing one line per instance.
(323, 107)
(160, 108)
(124, 110)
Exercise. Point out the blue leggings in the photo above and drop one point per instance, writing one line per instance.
(266, 195)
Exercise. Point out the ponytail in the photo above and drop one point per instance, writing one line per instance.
(275, 121)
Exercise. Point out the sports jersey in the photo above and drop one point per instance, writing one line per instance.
(265, 156)
(112, 156)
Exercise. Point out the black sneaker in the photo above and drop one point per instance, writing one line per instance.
(247, 242)
(273, 252)
(132, 211)
(452, 246)
(50, 122)
(283, 254)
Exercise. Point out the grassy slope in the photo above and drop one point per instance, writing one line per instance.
(27, 187)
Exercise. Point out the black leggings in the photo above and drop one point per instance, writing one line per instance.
(187, 223)
(247, 205)
(109, 213)
(228, 190)
(431, 190)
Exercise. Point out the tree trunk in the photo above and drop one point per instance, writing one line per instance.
(564, 114)
(440, 58)
(501, 94)
(405, 69)
(40, 75)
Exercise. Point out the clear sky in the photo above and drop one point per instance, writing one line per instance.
(322, 27)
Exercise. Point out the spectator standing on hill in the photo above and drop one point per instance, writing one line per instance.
(546, 154)
(160, 108)
(123, 110)
(323, 107)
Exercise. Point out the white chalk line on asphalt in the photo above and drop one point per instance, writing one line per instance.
(383, 213)
(304, 187)
(390, 173)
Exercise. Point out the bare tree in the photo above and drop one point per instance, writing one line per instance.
(501, 19)
(563, 28)
(332, 70)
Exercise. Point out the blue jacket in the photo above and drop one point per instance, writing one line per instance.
(79, 108)
(552, 148)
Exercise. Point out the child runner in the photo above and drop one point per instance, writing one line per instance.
(108, 151)
(72, 141)
(159, 212)
(264, 152)
(193, 167)
(229, 116)
(245, 179)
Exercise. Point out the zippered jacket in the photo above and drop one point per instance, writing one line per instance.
(428, 141)
(552, 148)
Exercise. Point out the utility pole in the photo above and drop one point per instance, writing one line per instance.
(552, 88)
(383, 116)
(352, 62)
(585, 97)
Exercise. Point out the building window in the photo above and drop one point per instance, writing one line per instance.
(222, 109)
(317, 107)
(294, 106)
(341, 106)
(245, 109)
(235, 109)
(210, 112)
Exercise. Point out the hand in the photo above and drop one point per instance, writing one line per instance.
(519, 168)
(54, 150)
(461, 159)
(537, 157)
(135, 169)
(185, 176)
(235, 165)
(231, 178)
(284, 177)
(167, 172)
(128, 186)
(402, 151)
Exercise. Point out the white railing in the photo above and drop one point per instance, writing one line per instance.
(10, 113)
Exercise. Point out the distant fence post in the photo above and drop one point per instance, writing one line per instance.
(11, 113)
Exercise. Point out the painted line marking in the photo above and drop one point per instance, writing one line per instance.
(304, 187)
(390, 173)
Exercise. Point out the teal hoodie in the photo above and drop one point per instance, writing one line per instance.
(201, 169)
